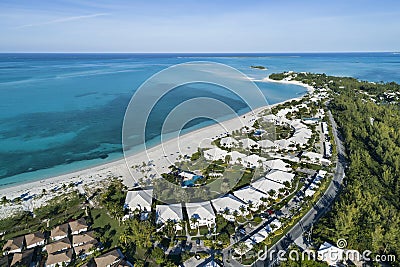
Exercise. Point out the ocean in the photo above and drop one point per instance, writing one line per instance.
(63, 112)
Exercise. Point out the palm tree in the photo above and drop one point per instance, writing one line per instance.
(241, 248)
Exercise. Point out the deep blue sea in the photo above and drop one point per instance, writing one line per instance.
(63, 112)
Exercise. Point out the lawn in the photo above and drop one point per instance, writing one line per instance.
(108, 228)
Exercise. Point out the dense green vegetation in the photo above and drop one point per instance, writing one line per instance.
(367, 213)
(258, 67)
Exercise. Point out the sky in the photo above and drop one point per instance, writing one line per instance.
(199, 26)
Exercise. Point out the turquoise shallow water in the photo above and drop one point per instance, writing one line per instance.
(63, 112)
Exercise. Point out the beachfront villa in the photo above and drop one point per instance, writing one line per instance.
(277, 164)
(84, 245)
(266, 144)
(172, 212)
(229, 142)
(280, 176)
(111, 258)
(253, 161)
(267, 186)
(215, 153)
(58, 246)
(200, 214)
(330, 254)
(34, 240)
(23, 259)
(78, 226)
(60, 259)
(248, 143)
(227, 205)
(250, 195)
(236, 157)
(315, 158)
(14, 245)
(140, 200)
(60, 232)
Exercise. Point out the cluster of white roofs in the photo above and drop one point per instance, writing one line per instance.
(261, 235)
(251, 196)
(311, 189)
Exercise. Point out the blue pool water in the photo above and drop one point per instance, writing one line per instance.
(192, 181)
(64, 112)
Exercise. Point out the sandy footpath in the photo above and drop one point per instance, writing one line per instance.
(156, 161)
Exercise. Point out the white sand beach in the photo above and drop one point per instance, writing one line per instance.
(157, 160)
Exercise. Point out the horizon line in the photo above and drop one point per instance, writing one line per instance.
(275, 52)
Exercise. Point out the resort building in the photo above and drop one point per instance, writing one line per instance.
(315, 158)
(253, 161)
(327, 149)
(236, 157)
(14, 245)
(200, 214)
(280, 176)
(277, 164)
(25, 258)
(248, 143)
(227, 205)
(139, 201)
(78, 240)
(59, 259)
(60, 232)
(330, 254)
(109, 259)
(86, 249)
(165, 213)
(267, 186)
(228, 142)
(250, 195)
(34, 240)
(58, 246)
(215, 154)
(78, 226)
(266, 144)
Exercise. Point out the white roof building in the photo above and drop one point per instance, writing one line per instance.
(228, 142)
(250, 195)
(215, 154)
(248, 143)
(265, 185)
(315, 157)
(282, 144)
(140, 200)
(202, 211)
(309, 192)
(266, 144)
(253, 161)
(273, 226)
(277, 164)
(324, 126)
(280, 176)
(171, 212)
(227, 203)
(236, 155)
(330, 254)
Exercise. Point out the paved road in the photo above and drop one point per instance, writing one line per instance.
(319, 209)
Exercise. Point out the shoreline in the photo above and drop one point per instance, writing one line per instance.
(160, 157)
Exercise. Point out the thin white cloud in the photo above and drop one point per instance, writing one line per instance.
(61, 20)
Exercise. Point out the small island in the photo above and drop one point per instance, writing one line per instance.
(258, 67)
